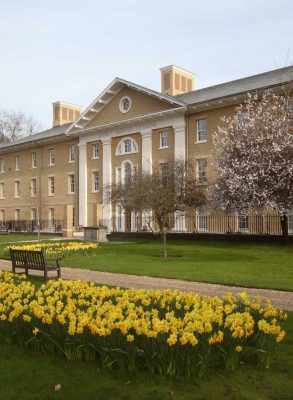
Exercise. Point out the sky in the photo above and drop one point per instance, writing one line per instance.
(70, 50)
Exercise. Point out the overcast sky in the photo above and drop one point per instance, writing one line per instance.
(71, 49)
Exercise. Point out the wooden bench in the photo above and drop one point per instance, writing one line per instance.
(35, 260)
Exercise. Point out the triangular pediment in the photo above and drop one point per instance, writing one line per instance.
(106, 108)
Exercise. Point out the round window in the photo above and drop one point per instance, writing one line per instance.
(125, 104)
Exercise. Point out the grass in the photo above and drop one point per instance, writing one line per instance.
(28, 375)
(20, 237)
(248, 265)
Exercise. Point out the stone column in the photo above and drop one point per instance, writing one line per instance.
(180, 153)
(146, 164)
(82, 191)
(107, 180)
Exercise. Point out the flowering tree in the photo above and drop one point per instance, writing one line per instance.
(254, 157)
(168, 191)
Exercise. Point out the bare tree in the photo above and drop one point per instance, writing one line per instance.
(168, 192)
(254, 158)
(14, 125)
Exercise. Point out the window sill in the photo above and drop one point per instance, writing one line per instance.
(70, 162)
(163, 147)
(70, 193)
(16, 170)
(33, 167)
(51, 165)
(2, 198)
(17, 197)
(51, 195)
(95, 158)
(200, 141)
(95, 191)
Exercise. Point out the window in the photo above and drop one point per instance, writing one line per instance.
(242, 118)
(71, 187)
(96, 181)
(71, 153)
(127, 172)
(17, 163)
(34, 214)
(126, 146)
(2, 215)
(164, 174)
(2, 190)
(202, 170)
(17, 215)
(243, 223)
(163, 139)
(96, 150)
(52, 157)
(51, 217)
(202, 219)
(201, 130)
(2, 165)
(33, 187)
(34, 159)
(16, 188)
(51, 186)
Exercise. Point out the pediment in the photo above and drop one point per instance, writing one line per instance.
(107, 108)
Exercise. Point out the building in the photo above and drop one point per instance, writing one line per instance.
(58, 174)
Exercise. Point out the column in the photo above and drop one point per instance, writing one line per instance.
(107, 180)
(180, 154)
(146, 165)
(82, 183)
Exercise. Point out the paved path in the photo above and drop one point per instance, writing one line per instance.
(280, 299)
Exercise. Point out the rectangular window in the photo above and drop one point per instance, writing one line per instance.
(51, 182)
(2, 215)
(202, 219)
(71, 186)
(118, 175)
(34, 159)
(17, 215)
(2, 190)
(96, 181)
(242, 117)
(17, 189)
(96, 150)
(201, 130)
(202, 170)
(163, 139)
(33, 187)
(17, 163)
(2, 165)
(164, 174)
(34, 214)
(51, 156)
(71, 153)
(51, 217)
(243, 223)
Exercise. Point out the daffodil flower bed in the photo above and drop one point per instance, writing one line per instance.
(166, 332)
(59, 248)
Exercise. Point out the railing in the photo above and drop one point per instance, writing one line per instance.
(31, 226)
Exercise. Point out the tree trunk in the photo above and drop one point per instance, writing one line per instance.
(284, 227)
(164, 236)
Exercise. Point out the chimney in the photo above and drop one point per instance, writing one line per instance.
(175, 80)
(63, 113)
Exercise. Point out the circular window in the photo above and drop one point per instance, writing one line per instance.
(125, 104)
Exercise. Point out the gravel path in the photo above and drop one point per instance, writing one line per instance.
(280, 299)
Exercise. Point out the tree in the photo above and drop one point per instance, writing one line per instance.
(168, 192)
(14, 125)
(254, 157)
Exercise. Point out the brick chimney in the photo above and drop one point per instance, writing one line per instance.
(63, 113)
(175, 80)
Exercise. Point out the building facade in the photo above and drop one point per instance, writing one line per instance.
(57, 176)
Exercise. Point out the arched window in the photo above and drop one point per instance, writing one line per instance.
(126, 146)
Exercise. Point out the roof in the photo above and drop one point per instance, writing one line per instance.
(43, 135)
(251, 83)
(107, 95)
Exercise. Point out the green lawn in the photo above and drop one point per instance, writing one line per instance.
(28, 375)
(250, 265)
(19, 237)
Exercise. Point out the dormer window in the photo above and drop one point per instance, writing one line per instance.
(127, 146)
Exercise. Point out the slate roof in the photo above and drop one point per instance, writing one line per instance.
(47, 134)
(250, 83)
